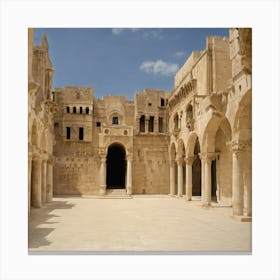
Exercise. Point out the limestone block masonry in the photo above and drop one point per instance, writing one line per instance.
(192, 142)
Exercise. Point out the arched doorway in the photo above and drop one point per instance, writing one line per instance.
(116, 166)
(196, 170)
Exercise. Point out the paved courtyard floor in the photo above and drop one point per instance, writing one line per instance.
(143, 223)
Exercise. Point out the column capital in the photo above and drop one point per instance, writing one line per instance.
(129, 157)
(37, 157)
(189, 160)
(207, 157)
(172, 162)
(102, 152)
(51, 160)
(180, 160)
(240, 145)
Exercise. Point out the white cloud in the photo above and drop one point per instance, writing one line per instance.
(159, 67)
(117, 31)
(179, 54)
(153, 33)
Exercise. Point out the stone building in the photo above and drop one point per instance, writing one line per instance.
(40, 123)
(194, 141)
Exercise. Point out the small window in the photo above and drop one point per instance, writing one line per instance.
(68, 132)
(142, 124)
(151, 124)
(160, 124)
(162, 103)
(87, 110)
(56, 124)
(81, 110)
(74, 110)
(115, 120)
(150, 104)
(98, 124)
(81, 133)
(68, 109)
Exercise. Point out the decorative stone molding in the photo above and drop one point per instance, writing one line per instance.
(129, 157)
(182, 93)
(180, 160)
(241, 145)
(189, 160)
(190, 124)
(207, 157)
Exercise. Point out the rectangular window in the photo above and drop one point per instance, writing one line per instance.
(74, 110)
(142, 124)
(98, 124)
(162, 103)
(81, 133)
(160, 124)
(115, 120)
(68, 109)
(81, 110)
(151, 124)
(68, 132)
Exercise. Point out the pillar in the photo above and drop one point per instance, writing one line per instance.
(129, 175)
(237, 184)
(189, 162)
(156, 128)
(206, 182)
(147, 118)
(29, 180)
(44, 180)
(180, 176)
(102, 190)
(172, 177)
(248, 185)
(50, 164)
(36, 182)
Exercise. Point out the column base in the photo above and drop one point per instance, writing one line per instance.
(207, 205)
(102, 190)
(241, 218)
(129, 191)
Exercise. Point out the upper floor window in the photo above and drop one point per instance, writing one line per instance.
(115, 120)
(151, 124)
(81, 110)
(176, 121)
(142, 124)
(87, 110)
(68, 132)
(162, 102)
(160, 124)
(68, 109)
(74, 110)
(81, 133)
(189, 112)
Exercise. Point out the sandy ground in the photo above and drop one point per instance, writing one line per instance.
(141, 224)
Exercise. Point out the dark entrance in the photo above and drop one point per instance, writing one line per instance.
(213, 181)
(196, 171)
(115, 177)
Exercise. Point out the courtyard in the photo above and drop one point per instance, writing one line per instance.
(143, 223)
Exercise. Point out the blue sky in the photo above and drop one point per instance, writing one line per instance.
(121, 61)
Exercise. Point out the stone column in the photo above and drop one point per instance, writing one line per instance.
(147, 119)
(237, 182)
(102, 190)
(156, 124)
(44, 180)
(36, 179)
(202, 178)
(50, 164)
(248, 185)
(172, 177)
(206, 160)
(180, 175)
(189, 162)
(29, 180)
(129, 159)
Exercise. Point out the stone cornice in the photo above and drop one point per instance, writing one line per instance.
(241, 145)
(182, 93)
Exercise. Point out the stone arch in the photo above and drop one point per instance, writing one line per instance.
(192, 139)
(43, 142)
(181, 148)
(242, 126)
(116, 113)
(172, 151)
(120, 143)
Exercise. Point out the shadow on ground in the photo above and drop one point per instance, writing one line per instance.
(39, 223)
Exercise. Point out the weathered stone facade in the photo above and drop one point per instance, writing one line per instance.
(40, 123)
(193, 141)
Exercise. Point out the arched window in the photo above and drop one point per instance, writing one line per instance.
(176, 121)
(189, 112)
(142, 124)
(68, 109)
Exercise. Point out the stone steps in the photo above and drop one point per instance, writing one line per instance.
(116, 193)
